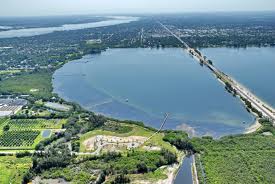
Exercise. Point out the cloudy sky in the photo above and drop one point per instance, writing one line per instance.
(59, 7)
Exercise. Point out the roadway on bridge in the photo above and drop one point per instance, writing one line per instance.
(265, 109)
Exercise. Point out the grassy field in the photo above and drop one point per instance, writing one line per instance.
(237, 159)
(12, 169)
(38, 84)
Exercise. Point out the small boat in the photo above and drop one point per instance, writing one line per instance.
(126, 100)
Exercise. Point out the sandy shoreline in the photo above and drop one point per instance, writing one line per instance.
(253, 128)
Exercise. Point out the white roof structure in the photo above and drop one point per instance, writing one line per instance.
(5, 113)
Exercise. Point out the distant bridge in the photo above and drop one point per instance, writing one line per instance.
(266, 110)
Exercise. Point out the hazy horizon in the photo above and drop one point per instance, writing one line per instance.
(17, 8)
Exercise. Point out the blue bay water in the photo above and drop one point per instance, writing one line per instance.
(143, 84)
(254, 67)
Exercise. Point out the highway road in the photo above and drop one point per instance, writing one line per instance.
(267, 111)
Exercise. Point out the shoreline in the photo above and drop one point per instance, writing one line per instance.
(173, 170)
(253, 128)
(194, 171)
(256, 125)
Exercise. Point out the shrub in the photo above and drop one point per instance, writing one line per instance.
(121, 179)
(23, 154)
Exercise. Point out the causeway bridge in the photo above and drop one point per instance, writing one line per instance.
(267, 111)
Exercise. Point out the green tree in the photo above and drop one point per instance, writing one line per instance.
(6, 128)
(142, 168)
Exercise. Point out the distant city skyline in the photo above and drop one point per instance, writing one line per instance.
(72, 7)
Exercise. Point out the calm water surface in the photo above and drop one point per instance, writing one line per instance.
(253, 67)
(46, 133)
(185, 173)
(142, 84)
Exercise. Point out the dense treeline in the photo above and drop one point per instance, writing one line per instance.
(237, 159)
(179, 139)
(58, 158)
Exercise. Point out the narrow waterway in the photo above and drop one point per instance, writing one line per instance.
(185, 172)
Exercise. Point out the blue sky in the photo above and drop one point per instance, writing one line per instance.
(60, 7)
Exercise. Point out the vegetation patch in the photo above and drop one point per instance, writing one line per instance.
(12, 169)
(117, 127)
(5, 72)
(179, 139)
(3, 122)
(133, 164)
(18, 138)
(25, 83)
(20, 134)
(111, 166)
(154, 176)
(20, 124)
(237, 159)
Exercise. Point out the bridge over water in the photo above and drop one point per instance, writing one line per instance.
(267, 111)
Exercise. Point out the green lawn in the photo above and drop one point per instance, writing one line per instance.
(38, 84)
(12, 169)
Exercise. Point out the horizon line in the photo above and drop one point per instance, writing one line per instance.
(138, 13)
